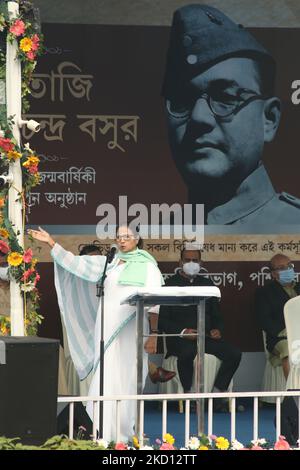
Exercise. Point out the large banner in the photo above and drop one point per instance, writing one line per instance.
(105, 142)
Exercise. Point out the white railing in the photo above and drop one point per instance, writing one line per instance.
(141, 399)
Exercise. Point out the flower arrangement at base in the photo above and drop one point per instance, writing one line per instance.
(202, 442)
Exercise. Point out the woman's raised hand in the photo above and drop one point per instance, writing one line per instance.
(42, 236)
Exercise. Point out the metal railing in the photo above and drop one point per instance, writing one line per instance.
(186, 397)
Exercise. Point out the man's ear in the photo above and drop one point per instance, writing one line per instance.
(272, 113)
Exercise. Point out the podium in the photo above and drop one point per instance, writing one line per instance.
(189, 295)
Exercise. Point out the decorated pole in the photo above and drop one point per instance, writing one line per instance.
(13, 106)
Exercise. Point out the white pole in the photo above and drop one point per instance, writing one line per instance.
(14, 105)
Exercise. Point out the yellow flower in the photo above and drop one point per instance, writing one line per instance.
(34, 160)
(13, 155)
(33, 262)
(25, 44)
(15, 258)
(169, 438)
(135, 442)
(222, 443)
(3, 233)
(31, 161)
(3, 330)
(203, 448)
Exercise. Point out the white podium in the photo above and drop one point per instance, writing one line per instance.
(190, 295)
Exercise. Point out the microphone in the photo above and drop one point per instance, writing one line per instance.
(111, 253)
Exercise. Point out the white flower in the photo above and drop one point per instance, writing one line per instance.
(146, 448)
(236, 445)
(27, 147)
(28, 287)
(259, 442)
(102, 443)
(194, 443)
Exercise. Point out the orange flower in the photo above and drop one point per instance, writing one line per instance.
(25, 44)
(13, 155)
(3, 233)
(281, 444)
(32, 161)
(4, 330)
(2, 202)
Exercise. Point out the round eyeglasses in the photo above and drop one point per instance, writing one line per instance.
(222, 104)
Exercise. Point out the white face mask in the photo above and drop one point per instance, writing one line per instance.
(191, 268)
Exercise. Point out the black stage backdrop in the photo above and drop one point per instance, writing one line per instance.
(96, 93)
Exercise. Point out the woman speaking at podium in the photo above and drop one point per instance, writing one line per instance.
(75, 282)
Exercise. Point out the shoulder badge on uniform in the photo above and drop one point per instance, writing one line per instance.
(293, 200)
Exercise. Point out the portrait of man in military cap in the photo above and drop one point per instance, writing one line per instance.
(221, 111)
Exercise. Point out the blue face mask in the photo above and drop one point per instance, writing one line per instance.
(287, 276)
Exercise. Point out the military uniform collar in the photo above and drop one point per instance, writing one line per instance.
(255, 191)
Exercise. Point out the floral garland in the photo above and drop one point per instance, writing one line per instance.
(29, 45)
(21, 263)
(167, 444)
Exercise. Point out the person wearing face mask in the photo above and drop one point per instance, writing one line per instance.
(269, 304)
(182, 320)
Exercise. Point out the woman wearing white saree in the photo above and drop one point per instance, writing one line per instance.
(75, 282)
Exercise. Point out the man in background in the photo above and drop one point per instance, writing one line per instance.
(182, 320)
(269, 304)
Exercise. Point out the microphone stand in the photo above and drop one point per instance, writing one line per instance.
(100, 294)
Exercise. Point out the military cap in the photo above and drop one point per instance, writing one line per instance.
(202, 36)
